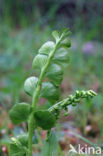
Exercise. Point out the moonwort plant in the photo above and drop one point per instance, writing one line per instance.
(49, 64)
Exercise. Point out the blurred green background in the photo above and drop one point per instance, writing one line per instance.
(24, 26)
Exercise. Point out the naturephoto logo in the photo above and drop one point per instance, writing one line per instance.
(85, 150)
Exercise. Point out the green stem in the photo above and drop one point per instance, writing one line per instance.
(31, 123)
(60, 150)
